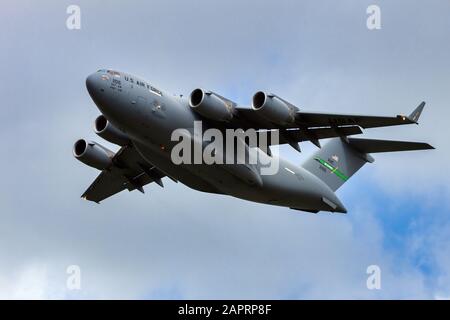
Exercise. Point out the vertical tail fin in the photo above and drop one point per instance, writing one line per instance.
(340, 158)
(336, 162)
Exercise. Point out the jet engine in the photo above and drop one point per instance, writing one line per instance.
(107, 131)
(93, 154)
(273, 108)
(211, 105)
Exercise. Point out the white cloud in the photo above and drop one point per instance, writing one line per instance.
(29, 283)
(208, 246)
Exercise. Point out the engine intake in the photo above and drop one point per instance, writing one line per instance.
(211, 105)
(93, 154)
(110, 133)
(273, 108)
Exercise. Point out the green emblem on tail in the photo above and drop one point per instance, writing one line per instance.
(333, 169)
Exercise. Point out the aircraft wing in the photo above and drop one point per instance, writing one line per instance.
(315, 126)
(249, 118)
(322, 119)
(129, 171)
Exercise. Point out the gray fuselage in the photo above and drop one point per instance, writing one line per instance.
(149, 116)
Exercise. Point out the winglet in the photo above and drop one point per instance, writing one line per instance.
(414, 116)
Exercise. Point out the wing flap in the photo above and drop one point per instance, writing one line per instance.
(299, 135)
(104, 186)
(129, 171)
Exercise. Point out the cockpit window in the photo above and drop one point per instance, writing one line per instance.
(114, 73)
(110, 72)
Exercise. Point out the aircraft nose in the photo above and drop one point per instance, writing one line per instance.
(92, 85)
(96, 84)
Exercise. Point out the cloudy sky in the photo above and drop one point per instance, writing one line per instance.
(179, 243)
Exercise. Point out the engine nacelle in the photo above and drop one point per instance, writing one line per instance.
(107, 131)
(93, 154)
(273, 108)
(211, 105)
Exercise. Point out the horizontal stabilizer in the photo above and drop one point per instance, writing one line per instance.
(374, 146)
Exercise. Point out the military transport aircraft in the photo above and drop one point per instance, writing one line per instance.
(142, 119)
